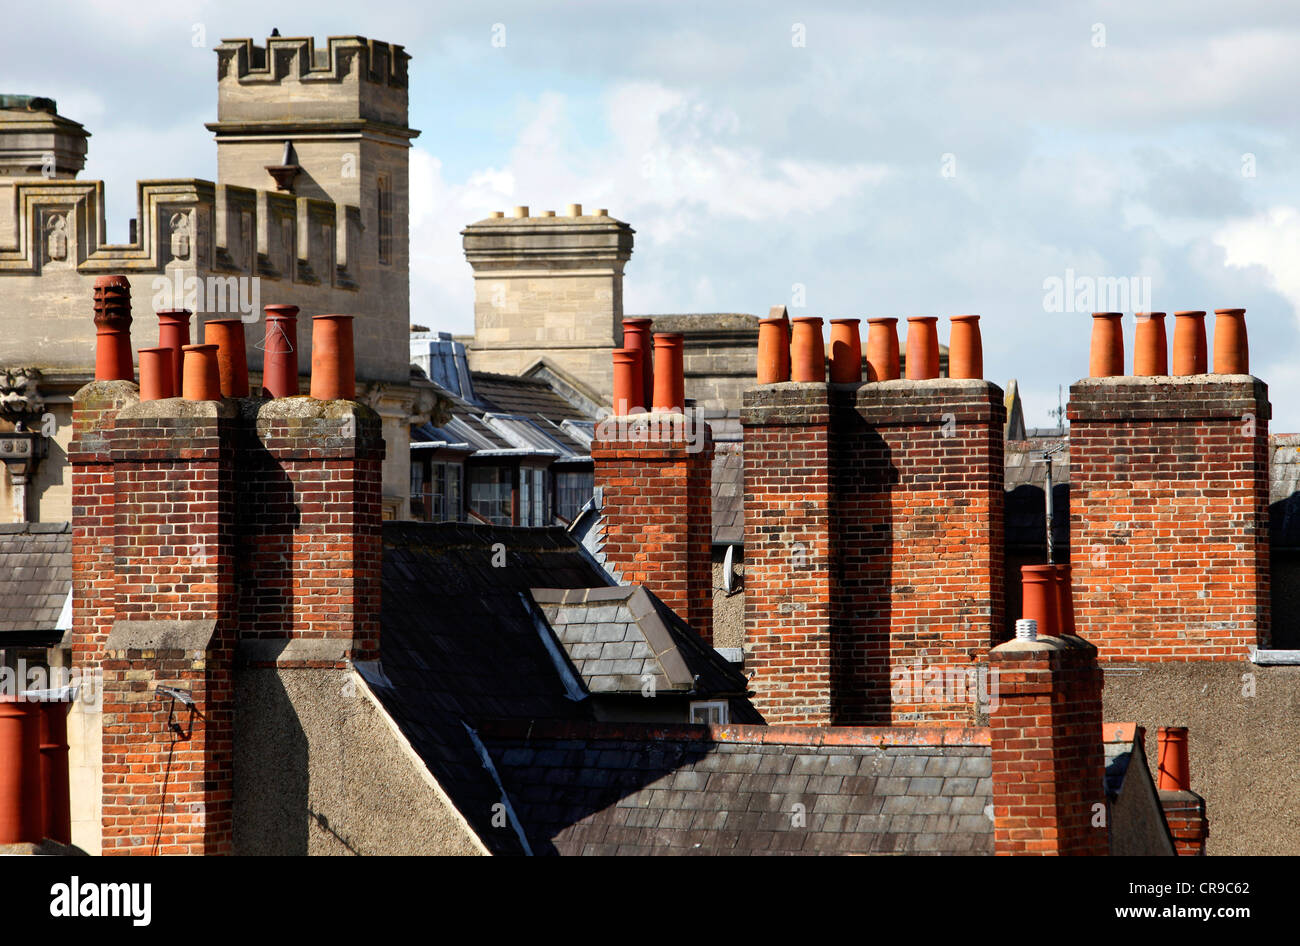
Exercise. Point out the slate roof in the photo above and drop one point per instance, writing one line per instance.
(628, 789)
(728, 491)
(461, 643)
(35, 579)
(618, 638)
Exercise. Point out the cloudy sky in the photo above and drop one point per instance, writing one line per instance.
(885, 159)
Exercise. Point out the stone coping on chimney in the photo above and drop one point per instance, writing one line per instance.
(1169, 398)
(878, 736)
(192, 637)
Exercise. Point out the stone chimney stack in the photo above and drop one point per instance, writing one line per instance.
(549, 288)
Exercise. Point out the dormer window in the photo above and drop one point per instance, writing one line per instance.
(710, 713)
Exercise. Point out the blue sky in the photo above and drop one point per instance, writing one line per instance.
(906, 159)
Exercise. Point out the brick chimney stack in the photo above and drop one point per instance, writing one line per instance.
(1169, 483)
(874, 547)
(653, 472)
(1048, 760)
(206, 533)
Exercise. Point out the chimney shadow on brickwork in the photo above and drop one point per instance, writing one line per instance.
(863, 474)
(271, 788)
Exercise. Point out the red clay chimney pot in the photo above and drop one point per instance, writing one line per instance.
(669, 392)
(965, 348)
(807, 350)
(1173, 771)
(1189, 343)
(1150, 346)
(1107, 358)
(1231, 351)
(846, 351)
(636, 336)
(922, 348)
(232, 358)
(157, 374)
(174, 333)
(333, 358)
(882, 349)
(112, 302)
(202, 381)
(280, 356)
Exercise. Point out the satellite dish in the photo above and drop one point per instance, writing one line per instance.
(728, 570)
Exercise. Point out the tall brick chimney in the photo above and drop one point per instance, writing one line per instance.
(1048, 760)
(874, 548)
(206, 534)
(653, 472)
(1169, 483)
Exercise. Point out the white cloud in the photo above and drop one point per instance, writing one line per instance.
(1270, 240)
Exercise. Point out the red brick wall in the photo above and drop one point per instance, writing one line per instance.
(918, 517)
(892, 493)
(1169, 516)
(309, 530)
(93, 585)
(1188, 824)
(196, 525)
(1048, 759)
(789, 552)
(656, 510)
(168, 771)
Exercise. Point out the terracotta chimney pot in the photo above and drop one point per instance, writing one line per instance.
(112, 302)
(965, 348)
(202, 378)
(636, 337)
(1040, 598)
(56, 804)
(280, 356)
(773, 351)
(1173, 771)
(670, 388)
(627, 380)
(1231, 351)
(846, 351)
(1189, 343)
(232, 358)
(882, 349)
(1150, 346)
(20, 775)
(1107, 360)
(157, 374)
(922, 348)
(333, 358)
(807, 350)
(174, 333)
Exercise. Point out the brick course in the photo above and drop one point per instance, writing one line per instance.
(656, 510)
(874, 547)
(1048, 759)
(1169, 516)
(198, 525)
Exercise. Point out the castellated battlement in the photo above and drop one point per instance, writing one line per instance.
(190, 223)
(290, 79)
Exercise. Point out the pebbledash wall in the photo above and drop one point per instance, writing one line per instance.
(333, 239)
(874, 547)
(226, 564)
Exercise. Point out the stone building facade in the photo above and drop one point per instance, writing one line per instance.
(310, 208)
